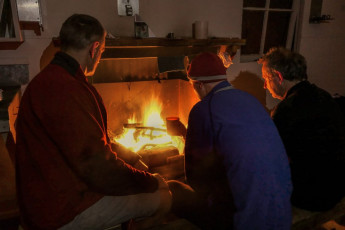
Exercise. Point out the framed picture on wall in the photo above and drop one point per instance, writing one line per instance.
(141, 30)
(127, 7)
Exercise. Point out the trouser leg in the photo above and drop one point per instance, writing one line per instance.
(113, 210)
(188, 204)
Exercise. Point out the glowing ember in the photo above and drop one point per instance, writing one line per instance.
(150, 133)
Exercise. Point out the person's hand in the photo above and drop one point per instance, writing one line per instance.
(162, 184)
(140, 165)
(175, 127)
(125, 154)
(181, 129)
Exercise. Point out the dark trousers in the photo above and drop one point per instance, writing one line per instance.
(191, 205)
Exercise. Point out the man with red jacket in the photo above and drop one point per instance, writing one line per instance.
(68, 176)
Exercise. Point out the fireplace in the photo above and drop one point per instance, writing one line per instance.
(13, 74)
(134, 74)
(139, 109)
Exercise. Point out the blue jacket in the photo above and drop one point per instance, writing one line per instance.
(249, 169)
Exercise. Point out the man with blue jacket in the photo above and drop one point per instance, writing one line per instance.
(235, 160)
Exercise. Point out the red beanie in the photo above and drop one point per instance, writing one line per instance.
(207, 67)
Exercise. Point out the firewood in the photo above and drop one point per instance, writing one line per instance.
(171, 171)
(157, 156)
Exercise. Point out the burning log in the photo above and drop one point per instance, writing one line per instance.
(173, 170)
(149, 138)
(158, 155)
(164, 160)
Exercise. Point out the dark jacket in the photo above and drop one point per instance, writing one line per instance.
(64, 162)
(312, 128)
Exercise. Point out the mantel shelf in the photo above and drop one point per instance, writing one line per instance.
(129, 47)
(9, 45)
(156, 42)
(164, 47)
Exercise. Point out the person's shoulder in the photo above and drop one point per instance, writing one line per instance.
(308, 91)
(55, 80)
(303, 99)
(200, 105)
(199, 110)
(309, 96)
(237, 93)
(323, 94)
(50, 73)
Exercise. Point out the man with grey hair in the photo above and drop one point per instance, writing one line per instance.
(235, 162)
(312, 128)
(68, 175)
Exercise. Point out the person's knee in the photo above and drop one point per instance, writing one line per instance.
(178, 188)
(158, 217)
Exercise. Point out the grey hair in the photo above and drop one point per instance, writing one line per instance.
(291, 65)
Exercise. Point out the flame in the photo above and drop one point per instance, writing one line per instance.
(224, 56)
(152, 133)
(152, 115)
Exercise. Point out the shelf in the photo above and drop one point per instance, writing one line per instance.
(128, 47)
(34, 26)
(156, 42)
(10, 45)
(164, 47)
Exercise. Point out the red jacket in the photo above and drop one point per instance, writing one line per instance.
(64, 162)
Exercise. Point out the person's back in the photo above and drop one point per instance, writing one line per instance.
(235, 157)
(312, 128)
(66, 169)
(253, 155)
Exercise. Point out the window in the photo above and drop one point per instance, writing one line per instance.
(10, 34)
(265, 24)
(9, 24)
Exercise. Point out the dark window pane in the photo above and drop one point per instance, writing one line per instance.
(277, 29)
(6, 20)
(281, 4)
(252, 22)
(254, 3)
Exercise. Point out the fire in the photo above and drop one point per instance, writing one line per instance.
(149, 133)
(224, 56)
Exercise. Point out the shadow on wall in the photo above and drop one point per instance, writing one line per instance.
(252, 84)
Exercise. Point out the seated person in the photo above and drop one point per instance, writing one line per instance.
(67, 174)
(235, 162)
(312, 127)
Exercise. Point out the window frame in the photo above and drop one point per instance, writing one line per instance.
(15, 21)
(293, 29)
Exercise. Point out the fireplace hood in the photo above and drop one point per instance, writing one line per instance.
(133, 72)
(131, 59)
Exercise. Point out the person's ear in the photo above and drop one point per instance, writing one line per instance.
(279, 75)
(200, 84)
(93, 48)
